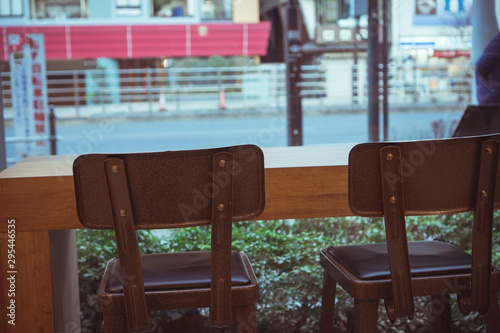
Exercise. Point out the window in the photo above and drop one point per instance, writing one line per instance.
(11, 8)
(58, 9)
(328, 11)
(217, 10)
(173, 8)
(128, 7)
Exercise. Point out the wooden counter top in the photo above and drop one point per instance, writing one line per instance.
(301, 182)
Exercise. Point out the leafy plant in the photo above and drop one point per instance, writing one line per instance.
(217, 61)
(94, 249)
(241, 61)
(285, 257)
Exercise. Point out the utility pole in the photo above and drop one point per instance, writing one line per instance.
(3, 147)
(373, 71)
(293, 55)
(385, 63)
(355, 68)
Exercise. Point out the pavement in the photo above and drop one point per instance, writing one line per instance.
(173, 108)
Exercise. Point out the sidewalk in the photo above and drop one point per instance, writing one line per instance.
(233, 108)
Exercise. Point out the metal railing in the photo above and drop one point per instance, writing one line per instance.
(52, 138)
(329, 85)
(174, 85)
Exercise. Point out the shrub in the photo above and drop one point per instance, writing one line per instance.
(285, 257)
(217, 61)
(189, 62)
(94, 249)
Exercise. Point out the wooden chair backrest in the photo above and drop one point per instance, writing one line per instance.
(429, 177)
(127, 192)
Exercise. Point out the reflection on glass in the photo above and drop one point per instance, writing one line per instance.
(217, 10)
(61, 9)
(128, 7)
(172, 8)
(11, 8)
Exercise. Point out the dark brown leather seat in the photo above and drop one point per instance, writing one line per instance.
(127, 192)
(371, 261)
(418, 178)
(178, 270)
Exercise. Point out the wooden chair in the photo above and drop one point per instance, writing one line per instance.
(418, 178)
(177, 189)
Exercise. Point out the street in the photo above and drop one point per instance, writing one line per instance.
(120, 134)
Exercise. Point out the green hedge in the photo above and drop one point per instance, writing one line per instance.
(285, 257)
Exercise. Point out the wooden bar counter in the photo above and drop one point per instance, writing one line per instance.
(37, 196)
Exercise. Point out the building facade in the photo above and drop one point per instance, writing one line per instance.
(76, 31)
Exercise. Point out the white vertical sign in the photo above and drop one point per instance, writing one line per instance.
(29, 94)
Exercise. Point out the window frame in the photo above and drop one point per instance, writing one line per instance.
(118, 8)
(10, 15)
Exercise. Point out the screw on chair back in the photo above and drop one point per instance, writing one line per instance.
(427, 178)
(173, 189)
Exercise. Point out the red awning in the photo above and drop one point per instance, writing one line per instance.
(147, 41)
(450, 53)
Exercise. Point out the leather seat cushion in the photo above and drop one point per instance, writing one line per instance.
(370, 261)
(178, 270)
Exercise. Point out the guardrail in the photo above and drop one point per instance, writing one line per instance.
(333, 84)
(106, 86)
(52, 138)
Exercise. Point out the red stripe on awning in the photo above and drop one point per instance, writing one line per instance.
(98, 41)
(147, 41)
(150, 41)
(450, 53)
(56, 38)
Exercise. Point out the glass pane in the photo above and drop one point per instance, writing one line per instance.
(17, 7)
(172, 8)
(217, 10)
(331, 11)
(207, 84)
(57, 9)
(11, 8)
(128, 11)
(5, 9)
(128, 3)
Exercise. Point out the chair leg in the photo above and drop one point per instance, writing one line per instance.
(244, 319)
(115, 323)
(365, 316)
(492, 317)
(327, 303)
(441, 313)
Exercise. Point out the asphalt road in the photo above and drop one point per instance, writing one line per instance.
(120, 135)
